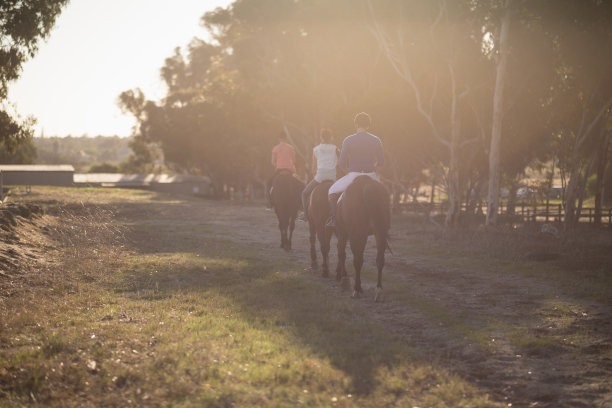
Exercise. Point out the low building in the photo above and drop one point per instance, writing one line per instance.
(184, 184)
(36, 174)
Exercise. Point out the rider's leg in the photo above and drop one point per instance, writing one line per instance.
(268, 187)
(333, 201)
(306, 197)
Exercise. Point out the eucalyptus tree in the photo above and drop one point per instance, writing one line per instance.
(23, 24)
(312, 64)
(498, 111)
(580, 33)
(436, 48)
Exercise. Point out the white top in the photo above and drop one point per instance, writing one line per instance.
(326, 162)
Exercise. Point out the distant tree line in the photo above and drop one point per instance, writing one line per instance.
(100, 154)
(83, 152)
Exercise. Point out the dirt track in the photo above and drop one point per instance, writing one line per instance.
(522, 338)
(519, 334)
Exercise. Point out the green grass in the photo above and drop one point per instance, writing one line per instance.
(185, 316)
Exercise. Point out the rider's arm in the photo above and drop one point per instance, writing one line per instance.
(380, 155)
(343, 162)
(314, 163)
(274, 158)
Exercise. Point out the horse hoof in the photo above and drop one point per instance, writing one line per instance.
(325, 274)
(356, 294)
(378, 295)
(314, 266)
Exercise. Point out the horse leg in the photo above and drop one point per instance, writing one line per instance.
(313, 242)
(357, 247)
(320, 233)
(324, 241)
(381, 246)
(291, 228)
(283, 233)
(340, 269)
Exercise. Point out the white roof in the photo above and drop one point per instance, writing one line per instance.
(36, 167)
(136, 179)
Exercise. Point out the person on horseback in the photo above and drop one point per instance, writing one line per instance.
(283, 159)
(324, 161)
(361, 154)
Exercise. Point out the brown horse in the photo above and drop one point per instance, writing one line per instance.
(318, 210)
(363, 211)
(286, 197)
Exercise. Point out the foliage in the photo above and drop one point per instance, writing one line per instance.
(424, 70)
(23, 23)
(24, 153)
(104, 167)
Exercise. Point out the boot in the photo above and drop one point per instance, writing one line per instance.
(333, 201)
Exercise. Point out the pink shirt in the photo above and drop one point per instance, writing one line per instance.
(285, 156)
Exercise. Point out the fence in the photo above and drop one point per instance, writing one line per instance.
(522, 212)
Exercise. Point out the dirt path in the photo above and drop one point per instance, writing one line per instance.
(520, 338)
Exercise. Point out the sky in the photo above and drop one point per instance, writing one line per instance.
(98, 49)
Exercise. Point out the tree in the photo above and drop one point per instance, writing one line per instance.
(581, 32)
(498, 108)
(435, 47)
(24, 153)
(23, 23)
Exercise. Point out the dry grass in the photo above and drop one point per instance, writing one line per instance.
(134, 305)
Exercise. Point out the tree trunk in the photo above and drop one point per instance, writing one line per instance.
(454, 194)
(602, 155)
(496, 132)
(511, 208)
(469, 208)
(433, 191)
(571, 194)
(582, 189)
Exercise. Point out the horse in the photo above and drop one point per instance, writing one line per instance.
(286, 198)
(363, 210)
(318, 210)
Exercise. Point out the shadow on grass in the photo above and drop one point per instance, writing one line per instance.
(270, 294)
(270, 298)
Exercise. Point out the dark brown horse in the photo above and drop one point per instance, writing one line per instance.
(286, 197)
(318, 211)
(363, 211)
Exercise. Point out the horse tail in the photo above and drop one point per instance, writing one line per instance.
(378, 209)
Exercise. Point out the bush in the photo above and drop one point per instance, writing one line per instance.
(104, 168)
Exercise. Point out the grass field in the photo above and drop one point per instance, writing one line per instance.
(139, 299)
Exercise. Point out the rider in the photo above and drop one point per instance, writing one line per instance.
(283, 159)
(324, 161)
(362, 153)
